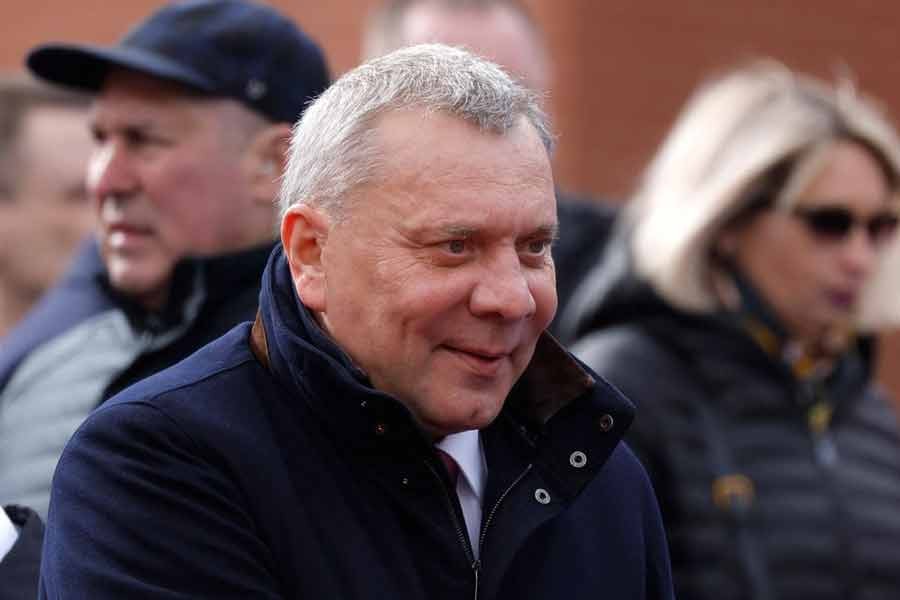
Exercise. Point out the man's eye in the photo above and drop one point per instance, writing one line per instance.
(135, 137)
(98, 135)
(456, 246)
(538, 246)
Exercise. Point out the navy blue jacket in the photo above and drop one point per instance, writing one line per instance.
(265, 466)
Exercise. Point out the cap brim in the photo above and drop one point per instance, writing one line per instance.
(86, 67)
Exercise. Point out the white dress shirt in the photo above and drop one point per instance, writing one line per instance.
(8, 534)
(466, 450)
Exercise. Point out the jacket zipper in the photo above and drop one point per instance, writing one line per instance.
(490, 517)
(825, 456)
(460, 532)
(461, 535)
(494, 508)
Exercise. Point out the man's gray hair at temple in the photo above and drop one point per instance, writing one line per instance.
(332, 150)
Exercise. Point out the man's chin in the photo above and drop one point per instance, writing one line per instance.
(439, 426)
(149, 289)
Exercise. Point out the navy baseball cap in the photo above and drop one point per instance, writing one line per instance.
(229, 48)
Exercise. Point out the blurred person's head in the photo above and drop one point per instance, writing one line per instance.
(502, 31)
(418, 211)
(785, 182)
(44, 213)
(191, 123)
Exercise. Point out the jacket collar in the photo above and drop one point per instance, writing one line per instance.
(194, 280)
(557, 408)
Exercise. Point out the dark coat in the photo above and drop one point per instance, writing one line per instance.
(264, 466)
(763, 496)
(584, 227)
(19, 568)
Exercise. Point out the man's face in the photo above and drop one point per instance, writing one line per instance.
(165, 179)
(440, 280)
(49, 213)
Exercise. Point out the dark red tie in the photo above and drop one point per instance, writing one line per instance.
(450, 464)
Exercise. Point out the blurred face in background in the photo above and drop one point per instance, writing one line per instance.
(166, 179)
(811, 261)
(497, 33)
(48, 212)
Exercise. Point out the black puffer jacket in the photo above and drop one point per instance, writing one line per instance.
(763, 495)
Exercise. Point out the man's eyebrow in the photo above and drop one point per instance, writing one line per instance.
(133, 125)
(466, 231)
(463, 231)
(549, 231)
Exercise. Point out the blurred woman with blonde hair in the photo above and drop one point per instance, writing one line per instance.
(736, 308)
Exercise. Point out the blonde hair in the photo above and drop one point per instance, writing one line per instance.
(732, 134)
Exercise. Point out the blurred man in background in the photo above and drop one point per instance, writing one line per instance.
(44, 212)
(191, 122)
(504, 32)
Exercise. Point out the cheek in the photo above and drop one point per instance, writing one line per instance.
(786, 274)
(543, 290)
(190, 201)
(800, 264)
(423, 307)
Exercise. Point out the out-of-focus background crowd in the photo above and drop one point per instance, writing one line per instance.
(620, 73)
(735, 300)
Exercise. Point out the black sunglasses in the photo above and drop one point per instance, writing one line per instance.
(835, 223)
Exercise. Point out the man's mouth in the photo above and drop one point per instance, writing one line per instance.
(486, 363)
(123, 235)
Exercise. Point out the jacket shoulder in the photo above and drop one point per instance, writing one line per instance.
(199, 369)
(213, 395)
(167, 456)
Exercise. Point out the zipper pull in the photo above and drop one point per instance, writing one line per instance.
(476, 567)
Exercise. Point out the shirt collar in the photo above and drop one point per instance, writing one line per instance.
(465, 448)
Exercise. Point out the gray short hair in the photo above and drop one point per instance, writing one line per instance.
(732, 137)
(332, 146)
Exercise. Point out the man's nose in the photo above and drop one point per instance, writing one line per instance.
(503, 289)
(110, 172)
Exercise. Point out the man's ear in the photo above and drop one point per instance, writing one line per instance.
(265, 160)
(304, 233)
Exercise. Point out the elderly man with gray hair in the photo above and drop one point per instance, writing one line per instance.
(396, 423)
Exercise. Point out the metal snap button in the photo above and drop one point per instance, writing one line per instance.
(578, 459)
(606, 423)
(542, 496)
(380, 429)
